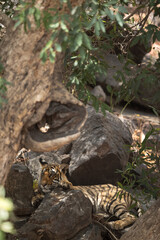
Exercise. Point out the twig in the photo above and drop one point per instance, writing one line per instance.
(126, 105)
(106, 228)
(146, 17)
(134, 12)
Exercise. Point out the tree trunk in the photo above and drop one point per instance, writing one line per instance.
(35, 90)
(147, 227)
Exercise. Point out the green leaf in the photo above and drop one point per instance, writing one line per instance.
(87, 41)
(31, 10)
(119, 19)
(58, 47)
(28, 23)
(105, 107)
(79, 39)
(1, 67)
(109, 88)
(26, 12)
(82, 53)
(6, 204)
(92, 22)
(2, 235)
(2, 191)
(122, 9)
(54, 25)
(149, 133)
(110, 13)
(37, 16)
(52, 55)
(49, 44)
(54, 35)
(43, 55)
(112, 2)
(74, 10)
(63, 1)
(64, 26)
(17, 24)
(95, 103)
(154, 110)
(134, 41)
(97, 28)
(75, 63)
(101, 24)
(7, 227)
(77, 42)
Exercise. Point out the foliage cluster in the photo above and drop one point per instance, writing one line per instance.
(132, 86)
(6, 208)
(69, 34)
(8, 6)
(141, 176)
(83, 31)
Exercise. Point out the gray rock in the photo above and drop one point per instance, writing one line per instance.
(19, 187)
(100, 150)
(99, 93)
(113, 66)
(60, 216)
(147, 94)
(147, 226)
(91, 232)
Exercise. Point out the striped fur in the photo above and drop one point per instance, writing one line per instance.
(106, 199)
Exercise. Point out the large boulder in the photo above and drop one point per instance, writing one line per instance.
(114, 65)
(100, 150)
(60, 216)
(19, 187)
(147, 227)
(147, 91)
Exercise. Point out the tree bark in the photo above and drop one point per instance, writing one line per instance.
(147, 227)
(34, 88)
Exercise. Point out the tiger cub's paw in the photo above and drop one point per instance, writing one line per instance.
(115, 225)
(36, 200)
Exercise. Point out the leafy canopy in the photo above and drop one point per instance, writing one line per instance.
(84, 31)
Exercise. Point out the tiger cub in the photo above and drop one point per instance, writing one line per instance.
(105, 199)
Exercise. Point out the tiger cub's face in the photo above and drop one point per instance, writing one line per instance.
(53, 176)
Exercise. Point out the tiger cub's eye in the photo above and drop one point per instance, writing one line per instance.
(52, 171)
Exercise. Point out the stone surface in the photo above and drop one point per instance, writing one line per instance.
(91, 232)
(147, 227)
(50, 157)
(147, 94)
(60, 216)
(19, 187)
(114, 65)
(100, 150)
(99, 93)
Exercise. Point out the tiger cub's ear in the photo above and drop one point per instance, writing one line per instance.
(43, 162)
(64, 167)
